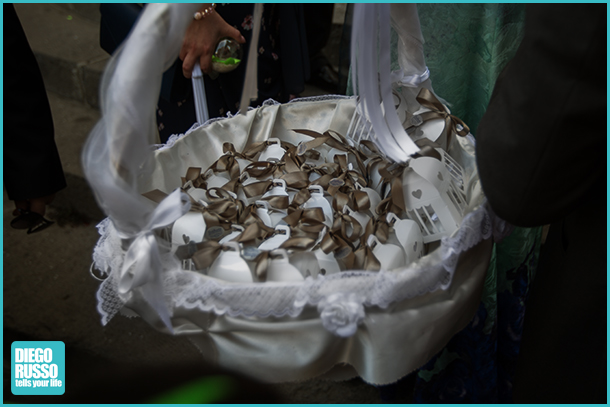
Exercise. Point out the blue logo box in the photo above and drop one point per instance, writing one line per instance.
(38, 368)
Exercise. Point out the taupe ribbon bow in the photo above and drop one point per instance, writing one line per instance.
(439, 111)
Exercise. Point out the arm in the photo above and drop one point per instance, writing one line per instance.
(541, 144)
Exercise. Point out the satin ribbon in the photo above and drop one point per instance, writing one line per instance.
(293, 160)
(395, 201)
(332, 242)
(262, 263)
(256, 188)
(228, 161)
(381, 230)
(392, 174)
(142, 267)
(428, 149)
(260, 169)
(298, 243)
(323, 181)
(412, 81)
(306, 222)
(193, 174)
(207, 252)
(155, 195)
(365, 259)
(278, 202)
(255, 148)
(342, 250)
(376, 158)
(249, 217)
(254, 231)
(356, 200)
(296, 180)
(439, 111)
(299, 199)
(340, 224)
(223, 209)
(334, 140)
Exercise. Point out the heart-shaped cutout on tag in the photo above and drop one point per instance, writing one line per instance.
(417, 194)
(440, 176)
(189, 226)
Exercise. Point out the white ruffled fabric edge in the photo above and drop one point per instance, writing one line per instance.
(192, 290)
(269, 102)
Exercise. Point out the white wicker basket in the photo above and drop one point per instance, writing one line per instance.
(378, 325)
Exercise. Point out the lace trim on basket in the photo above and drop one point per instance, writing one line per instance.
(195, 291)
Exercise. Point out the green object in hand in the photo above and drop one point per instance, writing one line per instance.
(228, 61)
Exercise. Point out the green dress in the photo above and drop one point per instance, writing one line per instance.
(466, 47)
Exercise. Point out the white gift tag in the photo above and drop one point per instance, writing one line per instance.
(362, 218)
(430, 198)
(278, 189)
(282, 233)
(237, 230)
(400, 103)
(374, 175)
(198, 194)
(317, 200)
(280, 269)
(245, 180)
(432, 129)
(309, 159)
(350, 159)
(273, 152)
(330, 156)
(328, 263)
(230, 266)
(190, 227)
(306, 262)
(249, 254)
(243, 163)
(268, 215)
(390, 256)
(409, 236)
(374, 198)
(215, 181)
(262, 211)
(291, 194)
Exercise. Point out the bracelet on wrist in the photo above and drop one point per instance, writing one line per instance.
(205, 12)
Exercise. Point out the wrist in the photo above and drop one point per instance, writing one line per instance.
(204, 11)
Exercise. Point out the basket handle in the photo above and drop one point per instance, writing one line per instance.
(201, 105)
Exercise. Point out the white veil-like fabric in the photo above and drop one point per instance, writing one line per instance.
(118, 150)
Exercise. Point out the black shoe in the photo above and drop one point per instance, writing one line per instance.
(39, 224)
(32, 221)
(24, 220)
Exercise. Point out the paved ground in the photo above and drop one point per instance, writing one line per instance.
(48, 292)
